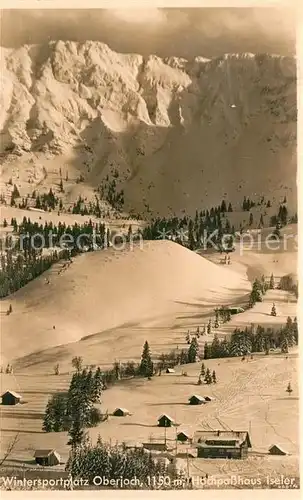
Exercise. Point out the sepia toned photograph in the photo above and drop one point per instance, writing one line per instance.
(149, 249)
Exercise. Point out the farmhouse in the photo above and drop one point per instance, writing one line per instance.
(182, 436)
(276, 450)
(165, 421)
(132, 445)
(121, 412)
(170, 370)
(222, 444)
(47, 457)
(196, 400)
(11, 398)
(235, 310)
(155, 445)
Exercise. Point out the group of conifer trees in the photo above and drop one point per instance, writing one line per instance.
(23, 258)
(19, 268)
(74, 411)
(207, 376)
(192, 231)
(135, 468)
(250, 340)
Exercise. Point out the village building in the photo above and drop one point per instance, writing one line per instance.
(132, 445)
(121, 412)
(155, 445)
(183, 436)
(235, 310)
(47, 457)
(170, 370)
(165, 421)
(222, 444)
(11, 398)
(275, 449)
(196, 400)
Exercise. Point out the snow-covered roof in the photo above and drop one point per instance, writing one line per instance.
(13, 393)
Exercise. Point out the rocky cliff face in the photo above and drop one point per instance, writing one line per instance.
(179, 133)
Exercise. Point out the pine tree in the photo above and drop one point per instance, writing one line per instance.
(264, 286)
(273, 310)
(59, 412)
(77, 363)
(261, 223)
(187, 338)
(277, 232)
(244, 204)
(284, 344)
(207, 351)
(76, 432)
(193, 351)
(202, 371)
(216, 347)
(146, 365)
(230, 208)
(55, 414)
(283, 215)
(208, 377)
(191, 239)
(15, 194)
(266, 345)
(223, 206)
(56, 369)
(97, 385)
(5, 223)
(289, 388)
(216, 325)
(214, 377)
(209, 327)
(251, 219)
(48, 423)
(61, 186)
(272, 282)
(256, 293)
(295, 329)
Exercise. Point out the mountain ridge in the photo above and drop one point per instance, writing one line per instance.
(138, 115)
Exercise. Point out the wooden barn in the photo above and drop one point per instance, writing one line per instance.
(170, 370)
(183, 436)
(236, 310)
(222, 444)
(275, 449)
(196, 400)
(165, 421)
(47, 457)
(11, 398)
(155, 445)
(121, 412)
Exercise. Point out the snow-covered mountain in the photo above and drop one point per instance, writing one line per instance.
(177, 133)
